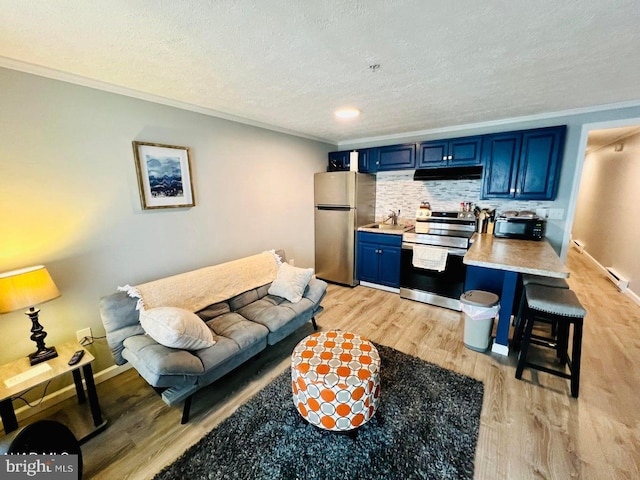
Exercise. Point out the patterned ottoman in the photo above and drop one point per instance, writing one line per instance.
(335, 377)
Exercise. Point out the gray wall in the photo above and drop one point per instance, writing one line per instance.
(69, 198)
(606, 214)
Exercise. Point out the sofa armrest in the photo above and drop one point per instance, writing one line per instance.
(121, 320)
(316, 290)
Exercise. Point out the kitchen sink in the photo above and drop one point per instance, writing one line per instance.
(386, 226)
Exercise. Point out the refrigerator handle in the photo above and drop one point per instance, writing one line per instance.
(333, 207)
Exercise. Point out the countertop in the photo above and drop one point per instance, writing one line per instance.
(387, 229)
(523, 256)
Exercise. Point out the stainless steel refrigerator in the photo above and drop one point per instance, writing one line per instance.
(344, 201)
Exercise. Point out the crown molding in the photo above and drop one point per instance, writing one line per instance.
(129, 92)
(382, 139)
(54, 74)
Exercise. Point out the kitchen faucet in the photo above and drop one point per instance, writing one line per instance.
(393, 216)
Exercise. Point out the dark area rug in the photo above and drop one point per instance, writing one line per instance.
(426, 426)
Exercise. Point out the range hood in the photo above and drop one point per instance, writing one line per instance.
(449, 173)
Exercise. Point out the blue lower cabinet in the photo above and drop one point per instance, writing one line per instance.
(379, 258)
(486, 279)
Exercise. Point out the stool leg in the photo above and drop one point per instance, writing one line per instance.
(562, 348)
(526, 340)
(517, 333)
(575, 358)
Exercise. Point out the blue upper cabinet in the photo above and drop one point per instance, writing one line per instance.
(450, 153)
(368, 160)
(433, 154)
(500, 154)
(396, 157)
(523, 165)
(338, 161)
(540, 160)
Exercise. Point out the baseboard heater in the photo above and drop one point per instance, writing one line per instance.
(579, 245)
(617, 279)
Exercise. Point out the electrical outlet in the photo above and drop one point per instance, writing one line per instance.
(556, 213)
(291, 262)
(542, 212)
(85, 332)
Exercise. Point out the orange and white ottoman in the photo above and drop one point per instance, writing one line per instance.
(335, 377)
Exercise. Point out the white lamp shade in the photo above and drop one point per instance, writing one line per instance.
(25, 288)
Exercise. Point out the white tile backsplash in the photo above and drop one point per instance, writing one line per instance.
(399, 191)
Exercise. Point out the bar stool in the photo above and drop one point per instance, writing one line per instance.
(559, 305)
(528, 279)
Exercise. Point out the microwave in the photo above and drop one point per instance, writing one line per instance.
(520, 228)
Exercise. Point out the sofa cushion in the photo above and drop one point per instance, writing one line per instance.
(159, 365)
(213, 311)
(176, 328)
(274, 312)
(238, 329)
(248, 297)
(290, 282)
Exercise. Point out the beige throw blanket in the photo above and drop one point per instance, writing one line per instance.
(200, 288)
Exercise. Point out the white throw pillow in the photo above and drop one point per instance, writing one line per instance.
(176, 328)
(290, 282)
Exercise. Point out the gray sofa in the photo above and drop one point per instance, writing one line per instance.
(242, 326)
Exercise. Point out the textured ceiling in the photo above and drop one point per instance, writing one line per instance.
(290, 64)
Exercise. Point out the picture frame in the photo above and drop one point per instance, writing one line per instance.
(164, 175)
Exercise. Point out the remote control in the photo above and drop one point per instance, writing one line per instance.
(76, 357)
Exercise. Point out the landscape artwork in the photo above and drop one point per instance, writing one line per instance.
(164, 175)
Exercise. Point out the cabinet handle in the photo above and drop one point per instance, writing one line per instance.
(450, 157)
(512, 190)
(444, 158)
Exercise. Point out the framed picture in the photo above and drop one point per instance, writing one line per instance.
(164, 175)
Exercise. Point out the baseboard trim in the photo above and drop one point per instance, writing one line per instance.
(380, 287)
(500, 349)
(69, 391)
(631, 294)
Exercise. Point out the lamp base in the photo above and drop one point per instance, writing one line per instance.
(43, 355)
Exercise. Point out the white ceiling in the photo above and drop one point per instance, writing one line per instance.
(289, 64)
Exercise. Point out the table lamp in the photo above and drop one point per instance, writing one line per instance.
(26, 288)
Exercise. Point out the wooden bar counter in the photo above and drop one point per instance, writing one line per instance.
(513, 257)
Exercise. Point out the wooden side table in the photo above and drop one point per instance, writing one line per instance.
(12, 384)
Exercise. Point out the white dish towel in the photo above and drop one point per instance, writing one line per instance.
(430, 258)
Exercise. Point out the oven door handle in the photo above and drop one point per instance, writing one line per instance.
(461, 252)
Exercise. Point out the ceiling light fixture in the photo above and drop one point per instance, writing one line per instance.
(347, 113)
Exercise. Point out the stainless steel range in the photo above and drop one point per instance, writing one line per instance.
(438, 285)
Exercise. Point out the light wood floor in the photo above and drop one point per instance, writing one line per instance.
(530, 429)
